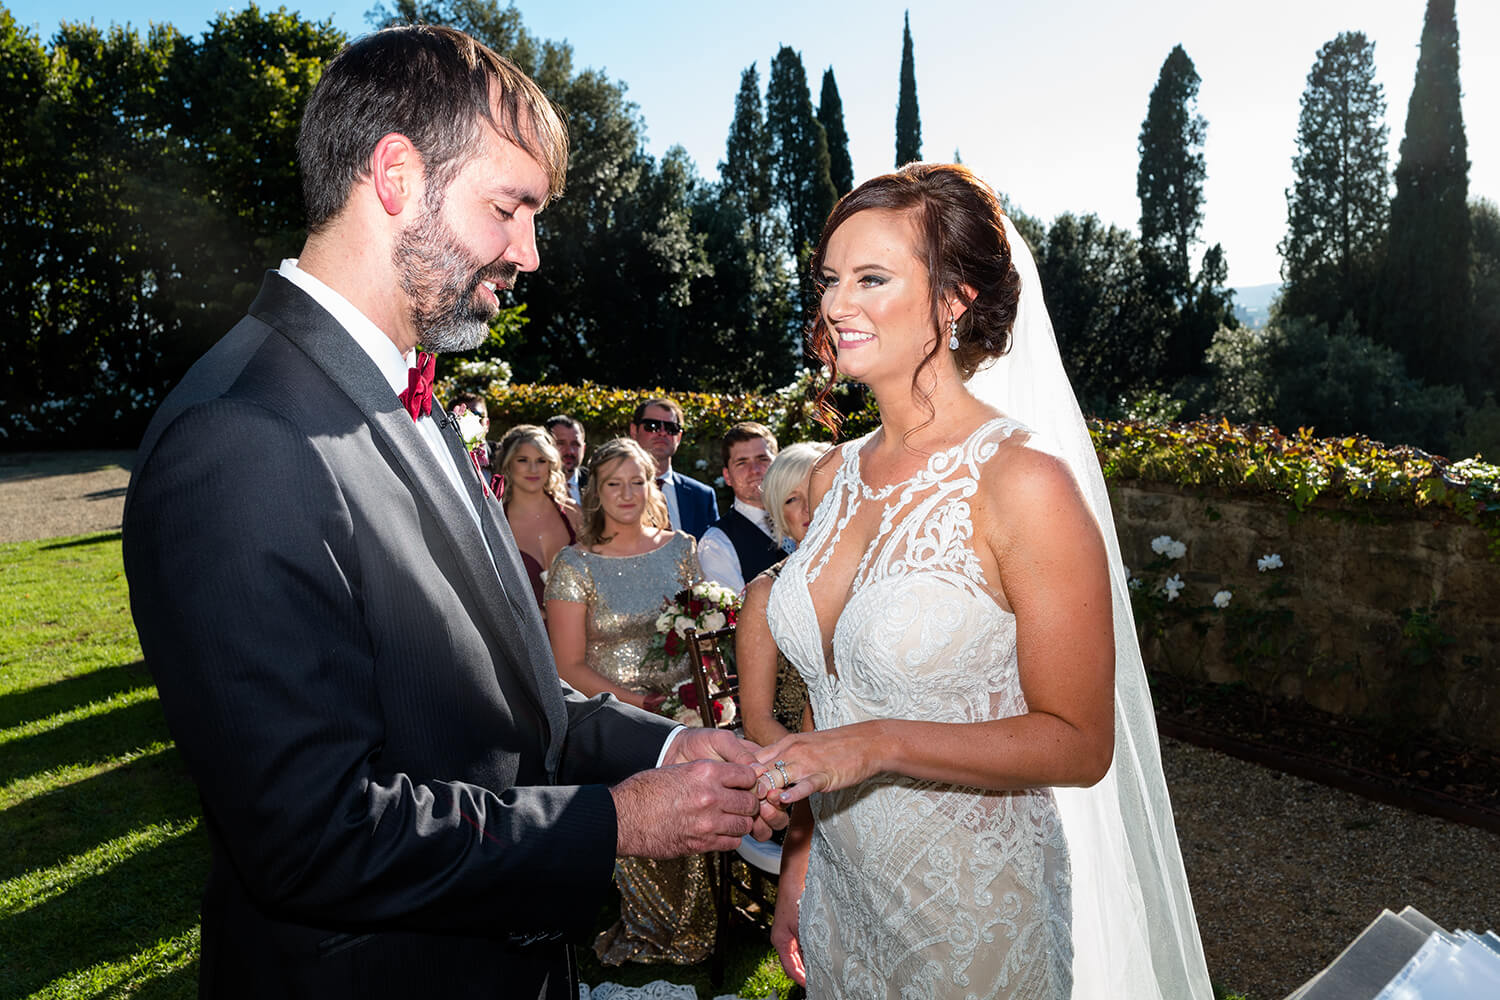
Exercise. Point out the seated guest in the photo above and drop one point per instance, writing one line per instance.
(657, 426)
(567, 434)
(772, 694)
(541, 515)
(472, 402)
(603, 596)
(740, 544)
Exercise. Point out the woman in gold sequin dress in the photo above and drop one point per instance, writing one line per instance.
(603, 596)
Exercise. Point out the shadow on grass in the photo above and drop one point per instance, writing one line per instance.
(94, 738)
(179, 984)
(47, 700)
(111, 536)
(49, 828)
(108, 918)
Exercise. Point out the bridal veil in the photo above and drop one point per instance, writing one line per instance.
(1134, 932)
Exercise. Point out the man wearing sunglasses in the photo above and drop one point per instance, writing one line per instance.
(656, 425)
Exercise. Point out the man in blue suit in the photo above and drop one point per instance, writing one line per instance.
(656, 425)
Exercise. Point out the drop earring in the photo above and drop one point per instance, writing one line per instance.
(953, 333)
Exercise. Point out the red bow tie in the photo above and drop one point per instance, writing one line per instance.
(418, 395)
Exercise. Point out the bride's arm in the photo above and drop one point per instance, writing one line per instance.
(786, 930)
(1054, 572)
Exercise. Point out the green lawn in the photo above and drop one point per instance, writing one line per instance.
(102, 851)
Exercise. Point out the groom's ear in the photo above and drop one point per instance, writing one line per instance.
(396, 172)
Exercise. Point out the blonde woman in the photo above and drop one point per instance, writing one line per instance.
(603, 596)
(772, 694)
(541, 514)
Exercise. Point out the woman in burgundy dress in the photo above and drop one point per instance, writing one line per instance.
(541, 514)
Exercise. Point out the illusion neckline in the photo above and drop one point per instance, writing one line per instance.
(856, 461)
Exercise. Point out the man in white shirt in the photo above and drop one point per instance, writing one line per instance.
(739, 546)
(567, 434)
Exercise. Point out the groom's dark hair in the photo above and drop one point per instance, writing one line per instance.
(432, 84)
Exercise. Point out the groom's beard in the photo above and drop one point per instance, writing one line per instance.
(441, 280)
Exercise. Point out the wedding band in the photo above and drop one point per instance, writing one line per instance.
(780, 765)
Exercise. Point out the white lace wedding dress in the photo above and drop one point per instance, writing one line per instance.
(916, 888)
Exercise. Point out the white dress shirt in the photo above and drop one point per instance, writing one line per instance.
(669, 494)
(716, 552)
(391, 362)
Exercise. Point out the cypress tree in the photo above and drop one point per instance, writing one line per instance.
(908, 122)
(1422, 302)
(746, 167)
(1169, 182)
(1337, 207)
(800, 179)
(831, 116)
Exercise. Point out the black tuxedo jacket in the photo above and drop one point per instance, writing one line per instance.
(403, 799)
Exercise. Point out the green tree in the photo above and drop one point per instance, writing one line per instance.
(1109, 329)
(1298, 372)
(799, 156)
(1169, 182)
(908, 122)
(1422, 304)
(746, 168)
(1339, 203)
(831, 116)
(1485, 313)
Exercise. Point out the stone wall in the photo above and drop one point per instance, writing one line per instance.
(1383, 614)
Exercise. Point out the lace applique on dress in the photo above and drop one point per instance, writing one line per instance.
(915, 888)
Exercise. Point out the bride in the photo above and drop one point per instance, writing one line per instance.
(980, 811)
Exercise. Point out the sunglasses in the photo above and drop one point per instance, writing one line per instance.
(651, 425)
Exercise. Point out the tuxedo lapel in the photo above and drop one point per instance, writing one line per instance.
(307, 325)
(507, 558)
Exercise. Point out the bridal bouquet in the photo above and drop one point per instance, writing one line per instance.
(681, 707)
(705, 606)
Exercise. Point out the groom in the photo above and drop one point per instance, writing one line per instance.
(402, 798)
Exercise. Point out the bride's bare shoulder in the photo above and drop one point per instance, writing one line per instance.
(821, 476)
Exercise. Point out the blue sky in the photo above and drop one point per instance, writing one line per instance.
(1044, 99)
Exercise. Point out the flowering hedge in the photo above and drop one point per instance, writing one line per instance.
(1301, 467)
(1240, 458)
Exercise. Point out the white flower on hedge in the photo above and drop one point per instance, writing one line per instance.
(1166, 545)
(1221, 599)
(719, 481)
(1173, 586)
(702, 463)
(1272, 561)
(1136, 583)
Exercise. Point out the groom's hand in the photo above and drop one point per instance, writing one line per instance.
(688, 808)
(720, 744)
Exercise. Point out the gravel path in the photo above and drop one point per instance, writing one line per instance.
(47, 494)
(1284, 872)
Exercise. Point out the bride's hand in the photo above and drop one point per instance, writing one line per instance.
(822, 761)
(784, 935)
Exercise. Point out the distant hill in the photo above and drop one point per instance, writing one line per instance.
(1252, 304)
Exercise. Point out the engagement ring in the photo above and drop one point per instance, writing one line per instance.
(780, 765)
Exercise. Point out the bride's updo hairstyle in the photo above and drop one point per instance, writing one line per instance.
(962, 242)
